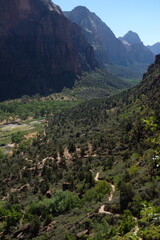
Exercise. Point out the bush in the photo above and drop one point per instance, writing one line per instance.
(97, 193)
(128, 222)
(60, 203)
(152, 233)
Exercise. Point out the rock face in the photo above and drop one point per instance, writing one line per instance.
(108, 49)
(138, 53)
(40, 49)
(155, 48)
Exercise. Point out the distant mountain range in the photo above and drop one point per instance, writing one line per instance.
(108, 49)
(125, 51)
(155, 48)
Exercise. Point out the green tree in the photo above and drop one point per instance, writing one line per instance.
(126, 195)
(16, 137)
(127, 223)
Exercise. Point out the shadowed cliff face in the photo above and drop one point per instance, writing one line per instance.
(40, 49)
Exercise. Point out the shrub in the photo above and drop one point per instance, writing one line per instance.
(127, 223)
(97, 193)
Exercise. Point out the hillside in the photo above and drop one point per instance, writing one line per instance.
(97, 84)
(93, 173)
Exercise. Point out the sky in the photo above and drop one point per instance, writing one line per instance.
(140, 16)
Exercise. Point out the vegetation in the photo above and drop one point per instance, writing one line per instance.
(93, 174)
(34, 107)
(97, 84)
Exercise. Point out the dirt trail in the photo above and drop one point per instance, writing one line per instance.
(103, 211)
(136, 228)
(96, 177)
(112, 192)
(112, 187)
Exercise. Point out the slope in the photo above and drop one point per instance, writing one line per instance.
(50, 183)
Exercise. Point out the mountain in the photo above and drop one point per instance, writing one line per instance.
(40, 49)
(155, 48)
(131, 38)
(136, 49)
(125, 57)
(108, 49)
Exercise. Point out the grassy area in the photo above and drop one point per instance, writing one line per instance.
(7, 131)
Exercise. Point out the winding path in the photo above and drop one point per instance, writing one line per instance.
(102, 208)
(112, 192)
(96, 177)
(136, 228)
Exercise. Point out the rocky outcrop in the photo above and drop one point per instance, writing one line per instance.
(108, 49)
(40, 49)
(157, 59)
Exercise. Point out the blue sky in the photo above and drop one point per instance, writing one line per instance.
(141, 16)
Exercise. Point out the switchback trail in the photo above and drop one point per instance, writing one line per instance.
(103, 211)
(112, 187)
(96, 177)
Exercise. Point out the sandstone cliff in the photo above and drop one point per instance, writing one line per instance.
(40, 49)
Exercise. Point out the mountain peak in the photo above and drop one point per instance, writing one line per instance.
(155, 48)
(79, 13)
(132, 37)
(108, 49)
(81, 8)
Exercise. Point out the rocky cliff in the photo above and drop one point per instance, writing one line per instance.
(40, 49)
(108, 48)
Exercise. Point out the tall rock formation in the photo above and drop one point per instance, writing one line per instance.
(108, 48)
(40, 49)
(138, 53)
(155, 48)
(131, 38)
